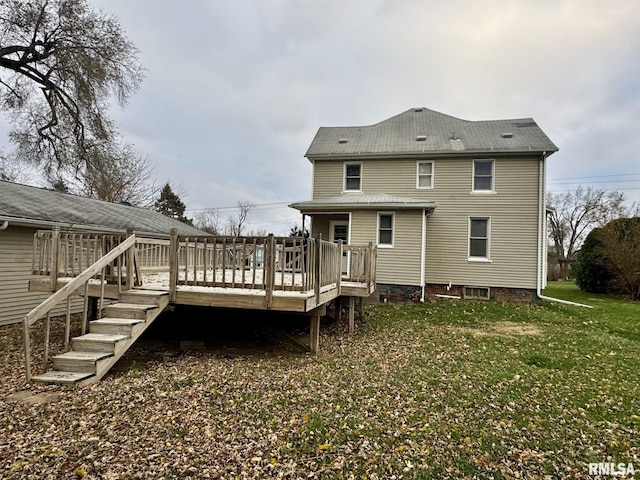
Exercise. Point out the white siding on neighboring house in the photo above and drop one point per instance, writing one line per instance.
(16, 253)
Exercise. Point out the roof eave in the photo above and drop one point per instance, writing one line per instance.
(306, 208)
(430, 153)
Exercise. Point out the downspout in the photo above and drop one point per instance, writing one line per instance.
(422, 253)
(542, 238)
(4, 225)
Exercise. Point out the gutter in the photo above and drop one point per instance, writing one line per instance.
(422, 253)
(542, 238)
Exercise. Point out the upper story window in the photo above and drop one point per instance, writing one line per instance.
(353, 177)
(483, 175)
(385, 229)
(479, 228)
(424, 177)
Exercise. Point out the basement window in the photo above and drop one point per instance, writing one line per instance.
(477, 293)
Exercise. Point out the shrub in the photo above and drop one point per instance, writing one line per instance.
(609, 261)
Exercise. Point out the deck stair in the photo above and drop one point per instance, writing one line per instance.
(93, 354)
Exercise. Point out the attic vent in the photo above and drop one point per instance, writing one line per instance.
(343, 140)
(419, 109)
(507, 135)
(421, 138)
(524, 124)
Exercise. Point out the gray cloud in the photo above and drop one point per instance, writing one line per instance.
(235, 91)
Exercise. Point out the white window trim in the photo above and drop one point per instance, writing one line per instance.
(393, 230)
(486, 259)
(344, 177)
(493, 176)
(433, 175)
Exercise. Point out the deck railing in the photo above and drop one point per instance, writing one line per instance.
(152, 255)
(361, 266)
(120, 255)
(59, 254)
(265, 263)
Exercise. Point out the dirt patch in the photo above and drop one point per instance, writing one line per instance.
(504, 329)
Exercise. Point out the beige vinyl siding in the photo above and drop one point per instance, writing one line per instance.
(513, 209)
(327, 178)
(16, 252)
(399, 264)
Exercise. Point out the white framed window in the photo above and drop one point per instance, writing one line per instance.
(386, 225)
(479, 238)
(353, 176)
(483, 172)
(424, 174)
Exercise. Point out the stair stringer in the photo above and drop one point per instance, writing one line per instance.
(104, 365)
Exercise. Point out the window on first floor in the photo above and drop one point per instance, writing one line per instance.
(424, 175)
(353, 176)
(479, 230)
(385, 229)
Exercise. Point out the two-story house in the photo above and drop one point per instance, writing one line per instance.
(456, 207)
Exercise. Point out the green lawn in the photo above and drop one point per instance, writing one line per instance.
(449, 389)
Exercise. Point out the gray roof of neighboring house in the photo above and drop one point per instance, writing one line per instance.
(423, 131)
(43, 208)
(361, 201)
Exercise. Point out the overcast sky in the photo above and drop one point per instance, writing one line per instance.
(236, 90)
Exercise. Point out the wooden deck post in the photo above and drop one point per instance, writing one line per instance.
(367, 264)
(314, 334)
(55, 258)
(129, 261)
(339, 269)
(269, 268)
(173, 264)
(352, 302)
(318, 273)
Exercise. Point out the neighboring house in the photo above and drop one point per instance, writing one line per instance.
(25, 209)
(456, 207)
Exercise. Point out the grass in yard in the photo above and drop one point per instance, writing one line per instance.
(449, 389)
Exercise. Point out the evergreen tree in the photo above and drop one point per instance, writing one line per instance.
(169, 204)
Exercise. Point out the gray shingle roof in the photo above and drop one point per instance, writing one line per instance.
(420, 130)
(44, 208)
(360, 201)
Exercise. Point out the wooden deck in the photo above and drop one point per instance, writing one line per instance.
(262, 273)
(290, 274)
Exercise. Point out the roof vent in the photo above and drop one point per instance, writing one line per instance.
(507, 135)
(343, 140)
(421, 138)
(419, 109)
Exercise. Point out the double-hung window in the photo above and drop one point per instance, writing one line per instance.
(479, 235)
(483, 176)
(353, 177)
(385, 229)
(424, 177)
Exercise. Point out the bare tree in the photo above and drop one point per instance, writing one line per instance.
(236, 223)
(575, 214)
(15, 170)
(61, 62)
(208, 220)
